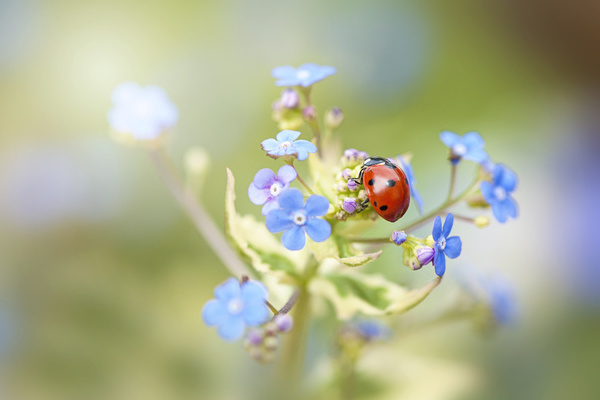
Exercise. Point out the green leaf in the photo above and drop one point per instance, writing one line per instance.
(360, 260)
(369, 294)
(256, 244)
(322, 178)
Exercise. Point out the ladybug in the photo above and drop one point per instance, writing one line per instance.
(386, 187)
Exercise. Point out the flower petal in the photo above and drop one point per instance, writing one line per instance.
(448, 225)
(255, 313)
(291, 200)
(449, 138)
(301, 154)
(487, 190)
(264, 178)
(439, 262)
(437, 228)
(294, 238)
(508, 180)
(231, 328)
(287, 136)
(499, 211)
(258, 196)
(478, 155)
(510, 207)
(453, 247)
(318, 229)
(228, 290)
(473, 140)
(286, 174)
(305, 145)
(213, 312)
(270, 145)
(272, 204)
(283, 71)
(254, 291)
(278, 220)
(417, 198)
(316, 206)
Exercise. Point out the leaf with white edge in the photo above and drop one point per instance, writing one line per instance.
(360, 260)
(253, 240)
(323, 178)
(371, 295)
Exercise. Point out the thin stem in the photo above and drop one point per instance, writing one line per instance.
(460, 217)
(452, 181)
(271, 307)
(292, 352)
(314, 124)
(310, 191)
(201, 219)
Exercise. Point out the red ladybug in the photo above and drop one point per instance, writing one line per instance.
(386, 187)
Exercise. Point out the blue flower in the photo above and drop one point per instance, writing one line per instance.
(371, 330)
(501, 299)
(142, 112)
(266, 187)
(305, 75)
(236, 306)
(469, 147)
(444, 245)
(295, 218)
(497, 193)
(286, 145)
(412, 182)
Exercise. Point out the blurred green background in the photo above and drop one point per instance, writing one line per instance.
(102, 277)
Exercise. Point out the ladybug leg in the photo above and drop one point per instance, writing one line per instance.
(365, 203)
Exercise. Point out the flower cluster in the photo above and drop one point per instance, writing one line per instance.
(334, 204)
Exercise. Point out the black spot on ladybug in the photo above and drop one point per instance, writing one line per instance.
(383, 208)
(406, 180)
(390, 183)
(371, 182)
(375, 204)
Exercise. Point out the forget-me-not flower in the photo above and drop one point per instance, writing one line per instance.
(470, 146)
(295, 218)
(501, 299)
(142, 112)
(266, 187)
(305, 75)
(497, 193)
(236, 306)
(287, 145)
(412, 182)
(444, 245)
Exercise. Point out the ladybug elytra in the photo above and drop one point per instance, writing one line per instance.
(386, 187)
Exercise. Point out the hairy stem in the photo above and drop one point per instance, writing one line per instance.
(452, 181)
(201, 219)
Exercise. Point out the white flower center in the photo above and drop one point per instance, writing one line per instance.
(276, 189)
(459, 149)
(299, 218)
(235, 306)
(286, 144)
(500, 193)
(303, 74)
(442, 243)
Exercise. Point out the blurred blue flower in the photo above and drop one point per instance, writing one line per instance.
(497, 193)
(286, 144)
(236, 306)
(295, 218)
(266, 187)
(305, 75)
(501, 299)
(371, 330)
(444, 245)
(412, 182)
(143, 112)
(470, 146)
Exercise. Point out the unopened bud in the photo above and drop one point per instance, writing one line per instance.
(347, 173)
(352, 185)
(349, 205)
(270, 343)
(398, 237)
(284, 323)
(289, 98)
(254, 337)
(424, 254)
(351, 154)
(481, 221)
(309, 113)
(334, 118)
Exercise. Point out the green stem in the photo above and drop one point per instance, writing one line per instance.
(199, 216)
(295, 343)
(452, 181)
(310, 191)
(314, 124)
